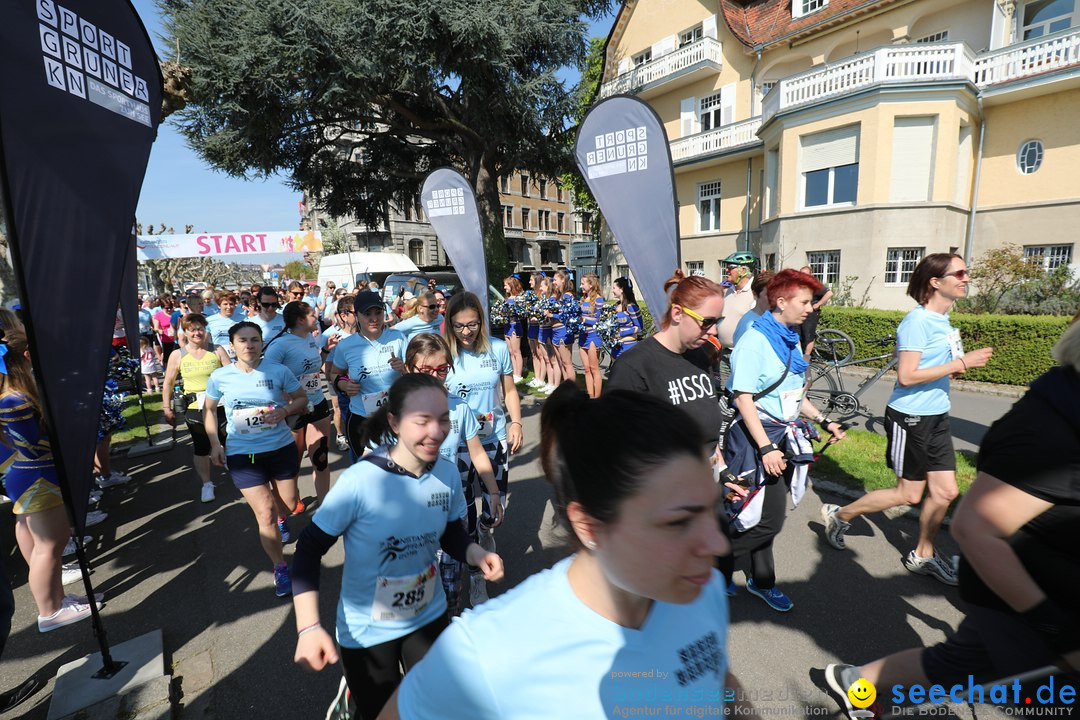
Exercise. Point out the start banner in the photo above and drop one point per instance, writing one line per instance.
(226, 246)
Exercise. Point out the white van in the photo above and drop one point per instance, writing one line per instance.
(357, 269)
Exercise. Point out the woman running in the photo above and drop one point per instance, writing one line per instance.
(366, 364)
(41, 522)
(591, 302)
(430, 355)
(768, 445)
(260, 453)
(394, 508)
(481, 369)
(344, 320)
(545, 345)
(628, 318)
(163, 326)
(193, 365)
(920, 449)
(514, 328)
(639, 594)
(561, 339)
(218, 324)
(539, 364)
(298, 349)
(268, 318)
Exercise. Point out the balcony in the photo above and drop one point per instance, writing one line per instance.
(716, 141)
(893, 64)
(673, 70)
(1025, 59)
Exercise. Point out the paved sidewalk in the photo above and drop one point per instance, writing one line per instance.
(165, 560)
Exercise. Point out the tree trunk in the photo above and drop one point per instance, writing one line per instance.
(488, 202)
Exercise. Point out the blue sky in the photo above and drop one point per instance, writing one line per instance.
(180, 188)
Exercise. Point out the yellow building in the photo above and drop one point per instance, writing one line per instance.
(856, 136)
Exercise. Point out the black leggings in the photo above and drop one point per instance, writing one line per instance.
(354, 429)
(373, 673)
(754, 547)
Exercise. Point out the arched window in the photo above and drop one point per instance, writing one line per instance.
(416, 251)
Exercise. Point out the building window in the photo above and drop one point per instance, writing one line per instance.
(1048, 16)
(526, 255)
(709, 207)
(622, 271)
(525, 186)
(829, 165)
(525, 219)
(770, 261)
(642, 57)
(691, 36)
(543, 217)
(805, 7)
(1029, 157)
(716, 111)
(550, 253)
(586, 223)
(695, 267)
(508, 216)
(832, 186)
(504, 184)
(900, 263)
(1049, 256)
(825, 265)
(416, 251)
(543, 189)
(934, 37)
(558, 193)
(560, 220)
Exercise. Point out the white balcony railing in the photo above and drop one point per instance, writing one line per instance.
(1028, 58)
(706, 49)
(894, 63)
(716, 140)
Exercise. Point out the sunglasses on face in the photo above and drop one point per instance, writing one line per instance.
(438, 371)
(297, 293)
(705, 322)
(958, 274)
(270, 305)
(431, 307)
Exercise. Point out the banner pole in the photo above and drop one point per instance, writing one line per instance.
(109, 666)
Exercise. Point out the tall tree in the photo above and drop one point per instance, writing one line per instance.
(358, 101)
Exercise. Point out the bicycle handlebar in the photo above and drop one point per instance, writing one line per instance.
(890, 340)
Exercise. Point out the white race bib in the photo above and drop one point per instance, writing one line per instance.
(956, 345)
(488, 423)
(790, 402)
(312, 384)
(373, 401)
(405, 597)
(251, 420)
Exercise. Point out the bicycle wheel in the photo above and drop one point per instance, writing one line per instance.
(833, 346)
(822, 388)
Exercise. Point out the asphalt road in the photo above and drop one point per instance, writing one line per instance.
(165, 560)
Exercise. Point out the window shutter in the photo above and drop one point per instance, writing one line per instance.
(963, 167)
(686, 116)
(624, 66)
(727, 104)
(665, 46)
(708, 27)
(797, 8)
(912, 158)
(830, 148)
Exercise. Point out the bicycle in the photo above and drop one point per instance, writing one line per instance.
(833, 351)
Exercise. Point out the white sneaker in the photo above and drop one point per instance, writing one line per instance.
(477, 589)
(70, 573)
(535, 383)
(94, 517)
(111, 481)
(69, 549)
(95, 496)
(68, 613)
(549, 388)
(342, 444)
(207, 494)
(936, 567)
(518, 379)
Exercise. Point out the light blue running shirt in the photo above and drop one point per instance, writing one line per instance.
(414, 326)
(246, 396)
(744, 324)
(931, 334)
(391, 523)
(270, 328)
(755, 366)
(368, 363)
(302, 357)
(463, 427)
(572, 657)
(477, 378)
(218, 327)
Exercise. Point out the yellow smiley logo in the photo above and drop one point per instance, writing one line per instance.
(861, 693)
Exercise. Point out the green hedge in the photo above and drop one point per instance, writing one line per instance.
(1021, 343)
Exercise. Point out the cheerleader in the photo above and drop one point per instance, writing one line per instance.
(591, 302)
(513, 331)
(628, 318)
(544, 345)
(561, 336)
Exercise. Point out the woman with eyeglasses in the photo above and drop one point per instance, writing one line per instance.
(366, 364)
(482, 369)
(514, 328)
(429, 354)
(628, 317)
(919, 448)
(268, 318)
(768, 446)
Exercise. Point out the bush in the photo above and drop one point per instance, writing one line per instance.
(1021, 343)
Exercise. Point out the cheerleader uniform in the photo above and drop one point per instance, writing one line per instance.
(630, 328)
(590, 315)
(513, 328)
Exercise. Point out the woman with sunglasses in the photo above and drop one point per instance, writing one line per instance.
(482, 369)
(627, 318)
(671, 365)
(426, 319)
(919, 448)
(268, 319)
(429, 354)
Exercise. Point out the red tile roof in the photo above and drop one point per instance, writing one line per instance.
(764, 22)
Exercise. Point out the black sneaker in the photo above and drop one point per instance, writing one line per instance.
(18, 695)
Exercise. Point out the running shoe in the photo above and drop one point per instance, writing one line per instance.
(19, 694)
(838, 679)
(340, 709)
(478, 594)
(283, 528)
(775, 599)
(70, 573)
(299, 509)
(834, 526)
(535, 383)
(111, 481)
(95, 517)
(342, 444)
(732, 589)
(207, 494)
(518, 379)
(69, 549)
(485, 535)
(67, 614)
(95, 496)
(936, 567)
(282, 581)
(73, 599)
(548, 389)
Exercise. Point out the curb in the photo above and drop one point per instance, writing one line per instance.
(981, 388)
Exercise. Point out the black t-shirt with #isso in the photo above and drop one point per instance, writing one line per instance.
(682, 380)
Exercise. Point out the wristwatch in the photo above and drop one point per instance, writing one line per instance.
(766, 449)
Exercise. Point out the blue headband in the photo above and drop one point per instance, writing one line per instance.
(3, 352)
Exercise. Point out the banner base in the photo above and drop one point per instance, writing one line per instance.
(79, 687)
(143, 447)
